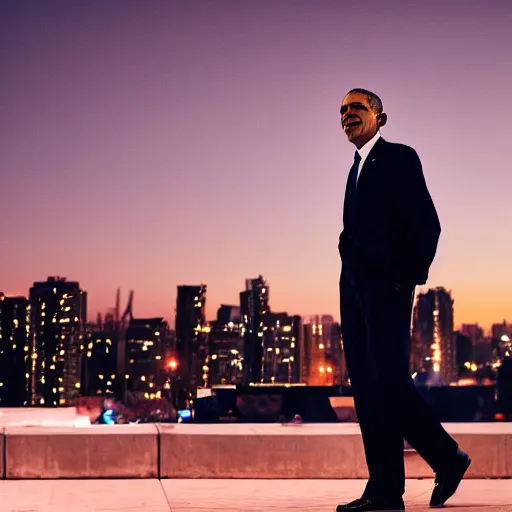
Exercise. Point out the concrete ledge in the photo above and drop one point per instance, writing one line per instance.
(266, 451)
(100, 451)
(311, 451)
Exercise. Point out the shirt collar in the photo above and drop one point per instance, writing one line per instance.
(365, 150)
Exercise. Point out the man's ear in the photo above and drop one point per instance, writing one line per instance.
(382, 119)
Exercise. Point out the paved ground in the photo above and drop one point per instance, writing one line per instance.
(230, 495)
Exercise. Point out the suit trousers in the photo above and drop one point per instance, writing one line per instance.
(375, 320)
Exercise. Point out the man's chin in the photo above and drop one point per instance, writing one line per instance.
(351, 138)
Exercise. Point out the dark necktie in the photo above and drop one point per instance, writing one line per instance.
(351, 191)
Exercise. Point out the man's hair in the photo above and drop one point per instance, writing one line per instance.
(374, 101)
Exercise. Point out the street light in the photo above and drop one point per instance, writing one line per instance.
(172, 365)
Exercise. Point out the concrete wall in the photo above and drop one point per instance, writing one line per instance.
(330, 451)
(99, 451)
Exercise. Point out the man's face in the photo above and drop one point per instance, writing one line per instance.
(358, 119)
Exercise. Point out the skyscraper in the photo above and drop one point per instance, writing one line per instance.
(282, 343)
(147, 343)
(191, 340)
(100, 362)
(473, 332)
(254, 305)
(433, 344)
(14, 351)
(58, 317)
(320, 368)
(500, 330)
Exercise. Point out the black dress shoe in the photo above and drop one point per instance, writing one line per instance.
(373, 505)
(448, 480)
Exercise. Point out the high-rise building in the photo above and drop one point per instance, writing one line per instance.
(328, 346)
(224, 364)
(433, 344)
(320, 367)
(254, 305)
(14, 351)
(227, 315)
(58, 318)
(500, 330)
(474, 332)
(148, 372)
(465, 352)
(282, 344)
(191, 340)
(100, 361)
(327, 323)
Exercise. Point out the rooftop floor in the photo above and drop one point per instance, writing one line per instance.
(230, 495)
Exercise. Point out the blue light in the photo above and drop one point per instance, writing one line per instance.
(185, 414)
(108, 417)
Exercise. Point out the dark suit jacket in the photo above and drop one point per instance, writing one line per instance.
(395, 229)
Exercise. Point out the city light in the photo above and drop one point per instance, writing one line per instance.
(173, 364)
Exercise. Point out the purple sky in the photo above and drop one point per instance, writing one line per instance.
(150, 144)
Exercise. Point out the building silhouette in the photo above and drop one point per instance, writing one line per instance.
(328, 349)
(58, 318)
(100, 361)
(14, 351)
(224, 363)
(148, 374)
(282, 348)
(433, 347)
(465, 352)
(254, 305)
(474, 332)
(319, 369)
(499, 330)
(191, 341)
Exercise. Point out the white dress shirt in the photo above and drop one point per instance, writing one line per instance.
(365, 150)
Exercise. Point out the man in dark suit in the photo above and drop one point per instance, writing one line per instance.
(389, 240)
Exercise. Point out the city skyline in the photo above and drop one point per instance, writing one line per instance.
(212, 311)
(148, 147)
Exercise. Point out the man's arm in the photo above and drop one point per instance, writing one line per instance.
(418, 217)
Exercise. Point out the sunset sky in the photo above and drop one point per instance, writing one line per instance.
(149, 144)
